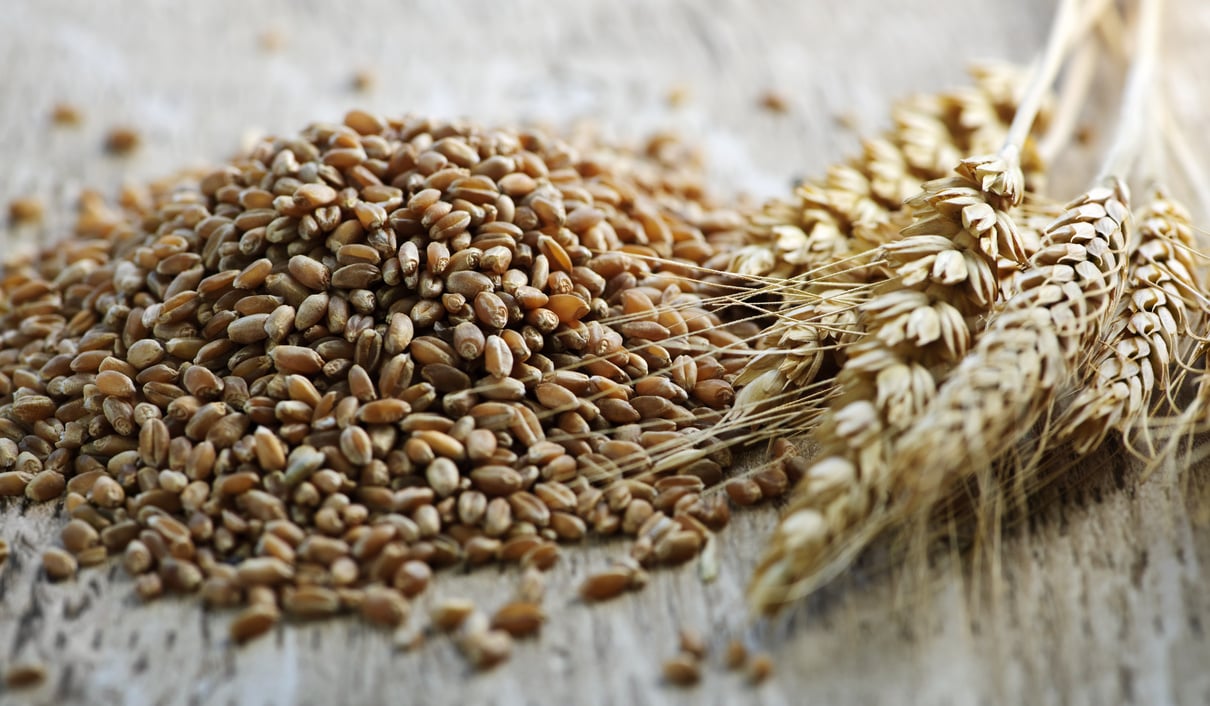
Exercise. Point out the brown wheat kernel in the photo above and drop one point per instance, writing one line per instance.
(13, 483)
(443, 476)
(412, 578)
(137, 558)
(774, 102)
(58, 564)
(677, 547)
(384, 606)
(310, 601)
(364, 80)
(744, 491)
(25, 209)
(253, 621)
(66, 114)
(265, 570)
(180, 575)
(24, 676)
(692, 643)
(4, 551)
(519, 619)
(760, 668)
(605, 585)
(773, 482)
(449, 613)
(355, 444)
(121, 140)
(682, 670)
(45, 485)
(92, 556)
(532, 586)
(542, 556)
(78, 535)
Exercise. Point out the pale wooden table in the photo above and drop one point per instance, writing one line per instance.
(1101, 600)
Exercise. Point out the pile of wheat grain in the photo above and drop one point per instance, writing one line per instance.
(300, 382)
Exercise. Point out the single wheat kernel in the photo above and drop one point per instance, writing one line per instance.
(25, 209)
(253, 621)
(682, 670)
(122, 140)
(45, 485)
(519, 619)
(78, 535)
(58, 564)
(605, 585)
(760, 668)
(384, 606)
(66, 114)
(24, 676)
(449, 613)
(691, 642)
(364, 80)
(774, 101)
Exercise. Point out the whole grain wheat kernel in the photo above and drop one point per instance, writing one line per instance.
(121, 140)
(682, 670)
(25, 209)
(24, 676)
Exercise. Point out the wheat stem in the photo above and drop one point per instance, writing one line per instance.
(1196, 178)
(1074, 91)
(1035, 93)
(1140, 82)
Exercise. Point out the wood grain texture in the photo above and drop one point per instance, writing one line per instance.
(1100, 600)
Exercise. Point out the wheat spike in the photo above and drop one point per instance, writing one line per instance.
(859, 205)
(1000, 387)
(826, 242)
(917, 327)
(1158, 309)
(878, 471)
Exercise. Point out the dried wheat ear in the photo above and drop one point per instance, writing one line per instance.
(977, 332)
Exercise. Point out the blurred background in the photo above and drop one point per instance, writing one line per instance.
(772, 89)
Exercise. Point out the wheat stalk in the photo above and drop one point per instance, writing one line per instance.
(1148, 332)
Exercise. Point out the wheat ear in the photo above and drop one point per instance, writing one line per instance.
(859, 207)
(882, 464)
(1159, 308)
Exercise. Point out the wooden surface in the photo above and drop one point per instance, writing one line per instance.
(1103, 599)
